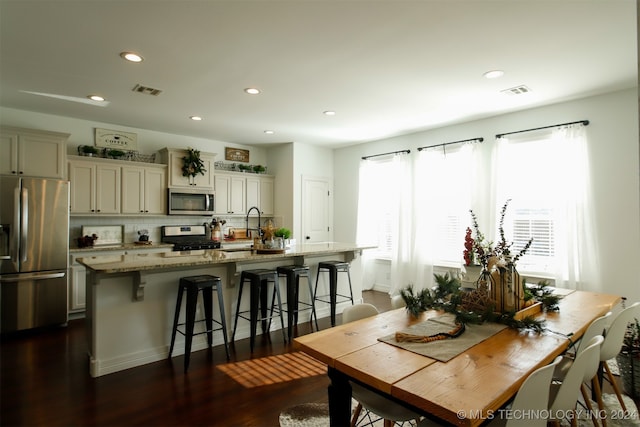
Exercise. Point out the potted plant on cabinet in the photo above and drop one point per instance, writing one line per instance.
(87, 150)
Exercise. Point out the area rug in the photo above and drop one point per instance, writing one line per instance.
(317, 415)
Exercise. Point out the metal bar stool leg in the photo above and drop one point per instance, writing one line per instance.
(207, 297)
(176, 317)
(333, 293)
(275, 284)
(254, 297)
(235, 325)
(350, 287)
(313, 302)
(192, 300)
(223, 321)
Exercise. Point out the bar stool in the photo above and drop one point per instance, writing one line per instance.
(292, 273)
(333, 268)
(258, 297)
(193, 285)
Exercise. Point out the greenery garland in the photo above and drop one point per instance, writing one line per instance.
(192, 165)
(448, 296)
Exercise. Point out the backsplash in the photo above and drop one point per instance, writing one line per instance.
(131, 224)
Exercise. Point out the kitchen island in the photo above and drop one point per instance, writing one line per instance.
(131, 299)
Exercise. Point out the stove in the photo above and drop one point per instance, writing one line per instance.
(188, 237)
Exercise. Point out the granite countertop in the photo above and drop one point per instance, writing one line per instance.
(155, 261)
(119, 247)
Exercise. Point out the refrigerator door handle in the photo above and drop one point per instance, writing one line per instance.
(14, 231)
(24, 226)
(34, 276)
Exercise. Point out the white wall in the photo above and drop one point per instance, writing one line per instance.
(614, 151)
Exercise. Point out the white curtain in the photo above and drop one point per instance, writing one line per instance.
(385, 214)
(546, 175)
(444, 181)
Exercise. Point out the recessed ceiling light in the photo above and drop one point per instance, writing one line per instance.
(195, 118)
(329, 113)
(269, 132)
(493, 74)
(252, 91)
(96, 98)
(131, 56)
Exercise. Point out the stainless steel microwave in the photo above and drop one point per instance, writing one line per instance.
(191, 202)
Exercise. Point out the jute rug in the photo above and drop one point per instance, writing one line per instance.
(317, 415)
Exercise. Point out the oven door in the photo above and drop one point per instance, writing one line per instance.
(190, 202)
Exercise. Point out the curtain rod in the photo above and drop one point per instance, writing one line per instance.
(584, 122)
(449, 143)
(386, 154)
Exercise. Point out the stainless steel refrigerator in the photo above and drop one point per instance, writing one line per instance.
(34, 252)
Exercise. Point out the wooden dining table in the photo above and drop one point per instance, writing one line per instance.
(467, 390)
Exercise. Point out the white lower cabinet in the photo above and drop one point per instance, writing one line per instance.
(78, 272)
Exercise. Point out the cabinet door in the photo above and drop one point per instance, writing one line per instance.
(77, 287)
(9, 153)
(175, 171)
(237, 200)
(266, 195)
(253, 193)
(206, 180)
(41, 156)
(108, 189)
(133, 190)
(222, 197)
(155, 191)
(82, 176)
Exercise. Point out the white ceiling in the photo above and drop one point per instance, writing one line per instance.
(386, 67)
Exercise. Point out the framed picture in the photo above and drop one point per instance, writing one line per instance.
(116, 139)
(236, 154)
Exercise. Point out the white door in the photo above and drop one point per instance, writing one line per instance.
(316, 208)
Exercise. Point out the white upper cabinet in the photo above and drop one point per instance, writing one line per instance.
(27, 152)
(144, 190)
(95, 187)
(230, 194)
(260, 193)
(237, 192)
(102, 186)
(173, 158)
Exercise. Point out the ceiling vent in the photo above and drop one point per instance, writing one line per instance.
(146, 90)
(518, 90)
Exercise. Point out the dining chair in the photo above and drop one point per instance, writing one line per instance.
(532, 398)
(597, 327)
(564, 396)
(613, 340)
(397, 302)
(369, 400)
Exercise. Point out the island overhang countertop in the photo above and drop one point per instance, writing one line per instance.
(155, 261)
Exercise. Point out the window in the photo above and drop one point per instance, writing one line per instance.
(443, 193)
(545, 175)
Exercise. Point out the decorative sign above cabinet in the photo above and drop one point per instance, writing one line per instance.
(236, 154)
(116, 139)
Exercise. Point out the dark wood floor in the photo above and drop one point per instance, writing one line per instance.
(45, 381)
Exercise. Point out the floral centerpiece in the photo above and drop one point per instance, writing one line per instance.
(499, 275)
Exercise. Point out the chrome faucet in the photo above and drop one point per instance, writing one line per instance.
(260, 232)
